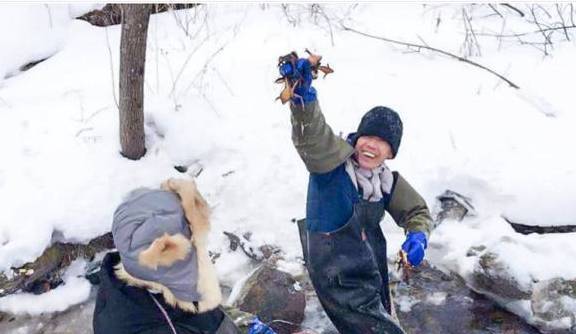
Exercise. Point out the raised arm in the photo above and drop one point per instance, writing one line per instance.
(320, 149)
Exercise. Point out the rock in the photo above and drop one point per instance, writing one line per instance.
(282, 327)
(440, 303)
(271, 294)
(475, 250)
(28, 66)
(45, 272)
(265, 252)
(492, 276)
(240, 318)
(181, 169)
(75, 320)
(454, 206)
(554, 303)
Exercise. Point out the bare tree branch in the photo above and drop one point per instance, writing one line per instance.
(471, 46)
(514, 9)
(495, 10)
(529, 32)
(559, 11)
(546, 37)
(445, 53)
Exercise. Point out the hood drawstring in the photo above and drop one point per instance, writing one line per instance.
(166, 316)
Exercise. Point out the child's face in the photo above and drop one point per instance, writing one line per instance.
(371, 151)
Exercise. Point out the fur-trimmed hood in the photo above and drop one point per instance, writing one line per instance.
(157, 250)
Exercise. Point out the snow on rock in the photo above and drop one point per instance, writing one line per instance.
(74, 290)
(554, 303)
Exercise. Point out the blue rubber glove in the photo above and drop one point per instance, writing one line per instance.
(258, 327)
(303, 75)
(414, 247)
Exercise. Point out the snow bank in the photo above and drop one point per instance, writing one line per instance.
(33, 32)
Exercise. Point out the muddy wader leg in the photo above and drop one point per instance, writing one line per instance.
(373, 213)
(347, 280)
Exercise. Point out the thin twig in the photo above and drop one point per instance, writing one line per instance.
(446, 53)
(323, 13)
(183, 67)
(94, 114)
(529, 32)
(547, 40)
(545, 11)
(473, 40)
(204, 68)
(79, 132)
(49, 16)
(495, 10)
(5, 103)
(563, 22)
(111, 69)
(514, 9)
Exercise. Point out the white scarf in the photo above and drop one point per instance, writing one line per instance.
(373, 182)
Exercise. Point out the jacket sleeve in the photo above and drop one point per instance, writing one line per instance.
(319, 148)
(408, 208)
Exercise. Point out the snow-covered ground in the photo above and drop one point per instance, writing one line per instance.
(209, 104)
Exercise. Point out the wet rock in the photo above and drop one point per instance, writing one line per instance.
(280, 326)
(272, 295)
(441, 303)
(554, 303)
(492, 275)
(241, 319)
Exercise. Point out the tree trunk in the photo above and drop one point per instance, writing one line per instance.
(132, 63)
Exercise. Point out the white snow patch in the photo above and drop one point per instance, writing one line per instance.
(436, 298)
(406, 302)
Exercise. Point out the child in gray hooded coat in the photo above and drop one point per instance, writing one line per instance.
(161, 279)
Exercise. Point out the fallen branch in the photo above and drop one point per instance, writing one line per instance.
(528, 229)
(46, 271)
(111, 14)
(429, 48)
